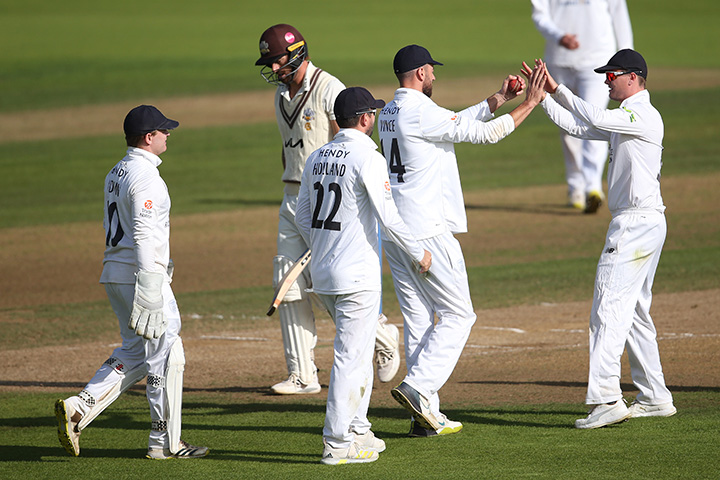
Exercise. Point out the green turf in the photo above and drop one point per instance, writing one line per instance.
(282, 440)
(83, 52)
(221, 168)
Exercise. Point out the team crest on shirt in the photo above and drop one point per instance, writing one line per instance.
(148, 204)
(388, 191)
(308, 116)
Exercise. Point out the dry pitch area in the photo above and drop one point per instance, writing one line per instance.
(528, 354)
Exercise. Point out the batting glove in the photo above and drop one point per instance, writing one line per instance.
(147, 317)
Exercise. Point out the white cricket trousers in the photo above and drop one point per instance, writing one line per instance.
(432, 349)
(620, 316)
(351, 377)
(584, 159)
(135, 351)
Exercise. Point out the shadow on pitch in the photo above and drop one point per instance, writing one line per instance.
(626, 387)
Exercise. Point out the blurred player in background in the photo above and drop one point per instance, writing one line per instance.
(304, 102)
(620, 317)
(579, 36)
(137, 272)
(345, 192)
(417, 138)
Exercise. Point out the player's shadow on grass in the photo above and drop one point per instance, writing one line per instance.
(536, 208)
(625, 387)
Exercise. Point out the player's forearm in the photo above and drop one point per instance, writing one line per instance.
(521, 112)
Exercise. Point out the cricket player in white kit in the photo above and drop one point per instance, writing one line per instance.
(579, 36)
(620, 317)
(304, 103)
(417, 138)
(137, 272)
(345, 191)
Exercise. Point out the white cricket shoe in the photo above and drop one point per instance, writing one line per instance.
(417, 404)
(638, 409)
(68, 433)
(293, 386)
(604, 414)
(369, 441)
(353, 454)
(447, 427)
(576, 200)
(388, 359)
(186, 451)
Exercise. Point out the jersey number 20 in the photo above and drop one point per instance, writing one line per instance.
(328, 223)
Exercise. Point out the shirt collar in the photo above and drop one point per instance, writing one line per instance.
(641, 96)
(354, 135)
(135, 152)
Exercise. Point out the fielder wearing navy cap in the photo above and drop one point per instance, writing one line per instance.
(145, 119)
(628, 60)
(355, 101)
(412, 57)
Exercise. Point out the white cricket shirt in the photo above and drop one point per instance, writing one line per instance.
(417, 138)
(635, 131)
(304, 120)
(345, 190)
(136, 219)
(602, 28)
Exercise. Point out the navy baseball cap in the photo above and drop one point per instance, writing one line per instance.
(145, 119)
(411, 57)
(628, 60)
(354, 101)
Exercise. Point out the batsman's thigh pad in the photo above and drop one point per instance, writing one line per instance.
(281, 264)
(124, 380)
(299, 338)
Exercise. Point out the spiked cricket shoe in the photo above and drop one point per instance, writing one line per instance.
(576, 200)
(448, 427)
(604, 414)
(68, 434)
(417, 404)
(638, 409)
(593, 201)
(369, 441)
(186, 451)
(293, 386)
(353, 454)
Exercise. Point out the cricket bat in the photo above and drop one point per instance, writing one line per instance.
(287, 280)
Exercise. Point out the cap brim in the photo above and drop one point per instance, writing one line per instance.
(608, 68)
(378, 103)
(169, 125)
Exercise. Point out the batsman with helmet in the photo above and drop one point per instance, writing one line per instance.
(304, 102)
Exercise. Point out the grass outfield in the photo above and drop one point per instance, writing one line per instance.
(259, 440)
(59, 55)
